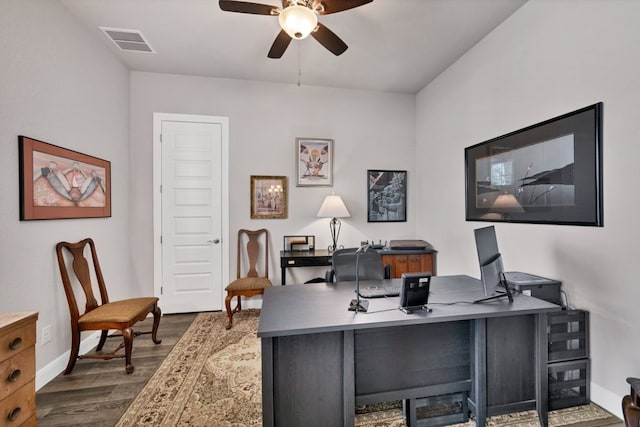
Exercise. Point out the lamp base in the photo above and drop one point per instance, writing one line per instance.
(358, 305)
(334, 226)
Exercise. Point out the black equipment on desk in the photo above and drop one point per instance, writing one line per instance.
(491, 266)
(358, 304)
(414, 293)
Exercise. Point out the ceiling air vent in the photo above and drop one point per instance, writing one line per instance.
(128, 40)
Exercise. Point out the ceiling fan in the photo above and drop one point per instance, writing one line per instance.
(298, 19)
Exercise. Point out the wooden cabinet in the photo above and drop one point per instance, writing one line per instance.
(410, 262)
(17, 369)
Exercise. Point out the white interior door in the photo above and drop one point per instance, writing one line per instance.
(191, 229)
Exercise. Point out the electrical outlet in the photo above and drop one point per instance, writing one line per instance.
(46, 334)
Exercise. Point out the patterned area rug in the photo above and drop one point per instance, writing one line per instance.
(212, 377)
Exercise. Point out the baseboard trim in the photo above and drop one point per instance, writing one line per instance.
(606, 399)
(58, 365)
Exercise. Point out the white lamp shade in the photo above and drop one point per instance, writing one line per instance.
(333, 207)
(507, 203)
(298, 21)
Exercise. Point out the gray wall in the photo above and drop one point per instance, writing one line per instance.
(546, 60)
(58, 85)
(374, 130)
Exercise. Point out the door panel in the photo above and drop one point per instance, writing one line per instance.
(191, 224)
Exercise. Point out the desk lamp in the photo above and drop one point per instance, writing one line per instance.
(333, 207)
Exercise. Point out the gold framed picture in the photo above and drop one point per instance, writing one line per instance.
(269, 197)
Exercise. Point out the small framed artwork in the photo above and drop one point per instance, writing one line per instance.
(547, 173)
(387, 196)
(57, 183)
(314, 164)
(268, 196)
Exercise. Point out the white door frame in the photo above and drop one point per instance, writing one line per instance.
(158, 118)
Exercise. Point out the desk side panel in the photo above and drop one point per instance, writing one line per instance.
(308, 380)
(411, 357)
(511, 361)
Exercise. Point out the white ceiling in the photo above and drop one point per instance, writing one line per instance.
(394, 45)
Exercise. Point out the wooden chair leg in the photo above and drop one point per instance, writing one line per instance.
(227, 304)
(75, 347)
(127, 335)
(157, 313)
(103, 339)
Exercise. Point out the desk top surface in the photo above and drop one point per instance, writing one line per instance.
(323, 307)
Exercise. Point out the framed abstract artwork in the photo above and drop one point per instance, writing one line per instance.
(314, 162)
(386, 196)
(269, 196)
(548, 173)
(57, 183)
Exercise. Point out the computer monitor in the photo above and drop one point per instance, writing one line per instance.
(490, 260)
(486, 244)
(490, 274)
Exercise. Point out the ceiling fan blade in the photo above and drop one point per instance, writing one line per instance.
(246, 7)
(333, 6)
(329, 39)
(279, 45)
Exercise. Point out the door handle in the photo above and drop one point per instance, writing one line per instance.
(216, 241)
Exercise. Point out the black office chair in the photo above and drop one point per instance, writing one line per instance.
(369, 264)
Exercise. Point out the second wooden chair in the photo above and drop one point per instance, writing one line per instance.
(249, 281)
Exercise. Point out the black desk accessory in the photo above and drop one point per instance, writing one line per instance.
(357, 304)
(414, 292)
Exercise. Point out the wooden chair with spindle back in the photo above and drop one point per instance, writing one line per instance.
(104, 316)
(252, 282)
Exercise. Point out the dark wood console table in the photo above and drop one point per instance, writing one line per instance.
(319, 360)
(401, 261)
(289, 259)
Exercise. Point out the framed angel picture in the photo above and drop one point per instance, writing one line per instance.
(314, 162)
(58, 183)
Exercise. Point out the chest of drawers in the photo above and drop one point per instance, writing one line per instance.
(17, 369)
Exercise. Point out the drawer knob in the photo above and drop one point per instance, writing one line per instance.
(14, 414)
(13, 376)
(15, 344)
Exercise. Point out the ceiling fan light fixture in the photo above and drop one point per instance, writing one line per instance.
(298, 21)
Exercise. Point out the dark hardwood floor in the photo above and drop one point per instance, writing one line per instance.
(98, 392)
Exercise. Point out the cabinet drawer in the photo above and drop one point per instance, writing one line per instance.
(16, 372)
(306, 262)
(15, 339)
(18, 407)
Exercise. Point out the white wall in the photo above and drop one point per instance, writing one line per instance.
(371, 130)
(549, 58)
(60, 86)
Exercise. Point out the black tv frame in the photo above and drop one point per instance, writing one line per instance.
(584, 174)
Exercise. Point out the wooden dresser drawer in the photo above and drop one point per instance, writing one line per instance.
(17, 337)
(19, 407)
(18, 369)
(16, 372)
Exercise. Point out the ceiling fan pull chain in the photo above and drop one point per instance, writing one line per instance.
(299, 66)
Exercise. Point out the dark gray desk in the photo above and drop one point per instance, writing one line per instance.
(319, 360)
